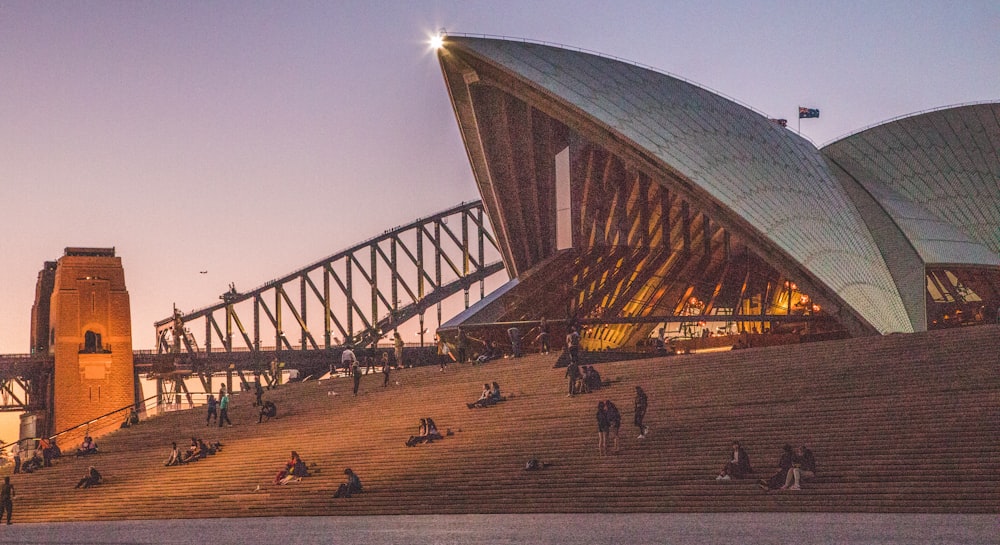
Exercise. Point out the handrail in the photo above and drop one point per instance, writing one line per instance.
(87, 423)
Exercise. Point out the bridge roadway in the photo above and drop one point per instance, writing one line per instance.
(15, 366)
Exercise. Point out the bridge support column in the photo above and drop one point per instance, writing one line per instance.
(90, 336)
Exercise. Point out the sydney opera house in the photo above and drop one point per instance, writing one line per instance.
(634, 200)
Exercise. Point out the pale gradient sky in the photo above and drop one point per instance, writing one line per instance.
(249, 139)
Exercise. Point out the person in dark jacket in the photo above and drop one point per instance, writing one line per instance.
(268, 410)
(614, 423)
(641, 403)
(352, 486)
(738, 466)
(7, 499)
(213, 415)
(93, 478)
(602, 428)
(356, 374)
(784, 466)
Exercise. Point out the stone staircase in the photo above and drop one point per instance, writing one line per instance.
(903, 423)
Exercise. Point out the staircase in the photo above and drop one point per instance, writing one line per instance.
(902, 423)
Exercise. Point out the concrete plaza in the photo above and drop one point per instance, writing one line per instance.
(743, 528)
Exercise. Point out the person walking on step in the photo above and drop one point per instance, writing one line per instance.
(573, 345)
(258, 392)
(347, 358)
(224, 410)
(213, 415)
(463, 346)
(356, 373)
(386, 369)
(514, 334)
(602, 428)
(543, 336)
(15, 452)
(614, 423)
(397, 346)
(6, 499)
(641, 402)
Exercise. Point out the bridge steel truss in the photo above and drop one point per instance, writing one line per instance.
(24, 381)
(354, 296)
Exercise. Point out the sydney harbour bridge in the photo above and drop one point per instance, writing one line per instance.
(357, 297)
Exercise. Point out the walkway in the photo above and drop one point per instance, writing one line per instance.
(745, 528)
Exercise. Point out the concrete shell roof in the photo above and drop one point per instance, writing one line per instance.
(763, 175)
(937, 175)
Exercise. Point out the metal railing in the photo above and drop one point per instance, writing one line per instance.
(104, 420)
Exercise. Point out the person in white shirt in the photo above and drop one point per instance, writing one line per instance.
(347, 358)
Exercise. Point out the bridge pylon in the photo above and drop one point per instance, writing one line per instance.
(81, 318)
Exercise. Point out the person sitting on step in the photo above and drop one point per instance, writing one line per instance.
(738, 465)
(131, 419)
(427, 433)
(784, 466)
(87, 447)
(594, 380)
(204, 450)
(485, 398)
(421, 435)
(267, 411)
(93, 478)
(193, 452)
(295, 469)
(432, 431)
(352, 486)
(495, 393)
(176, 458)
(32, 464)
(803, 467)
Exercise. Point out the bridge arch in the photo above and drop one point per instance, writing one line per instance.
(355, 296)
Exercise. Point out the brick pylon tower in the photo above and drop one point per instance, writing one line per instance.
(90, 336)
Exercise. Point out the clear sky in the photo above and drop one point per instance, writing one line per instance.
(250, 138)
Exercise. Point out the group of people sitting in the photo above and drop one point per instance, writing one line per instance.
(794, 466)
(196, 451)
(49, 451)
(427, 433)
(294, 470)
(490, 396)
(491, 351)
(590, 380)
(88, 446)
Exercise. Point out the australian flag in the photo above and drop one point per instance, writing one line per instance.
(806, 113)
